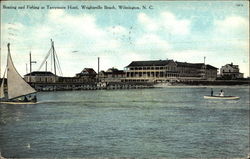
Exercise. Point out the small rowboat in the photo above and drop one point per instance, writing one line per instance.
(222, 97)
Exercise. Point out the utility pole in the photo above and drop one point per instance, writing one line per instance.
(26, 68)
(31, 62)
(98, 69)
(204, 66)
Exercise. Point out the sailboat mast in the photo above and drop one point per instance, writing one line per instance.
(54, 58)
(8, 45)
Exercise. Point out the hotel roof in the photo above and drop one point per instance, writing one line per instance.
(166, 62)
(150, 63)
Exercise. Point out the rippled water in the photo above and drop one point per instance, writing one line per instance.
(162, 122)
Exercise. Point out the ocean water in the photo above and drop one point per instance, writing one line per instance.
(174, 122)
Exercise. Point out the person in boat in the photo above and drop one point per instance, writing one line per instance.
(34, 99)
(221, 93)
(212, 92)
(25, 99)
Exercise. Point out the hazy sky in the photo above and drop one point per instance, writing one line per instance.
(182, 31)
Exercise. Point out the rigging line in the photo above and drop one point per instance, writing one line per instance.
(58, 63)
(59, 70)
(51, 61)
(44, 60)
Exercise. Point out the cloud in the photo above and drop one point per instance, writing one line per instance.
(83, 24)
(119, 30)
(166, 21)
(152, 42)
(42, 31)
(174, 25)
(147, 22)
(233, 26)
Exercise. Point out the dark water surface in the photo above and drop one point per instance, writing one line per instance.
(163, 122)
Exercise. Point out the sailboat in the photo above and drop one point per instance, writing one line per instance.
(18, 90)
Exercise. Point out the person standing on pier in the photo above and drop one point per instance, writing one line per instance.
(212, 92)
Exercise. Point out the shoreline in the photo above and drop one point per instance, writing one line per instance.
(41, 87)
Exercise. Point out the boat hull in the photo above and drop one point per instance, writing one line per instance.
(18, 102)
(222, 97)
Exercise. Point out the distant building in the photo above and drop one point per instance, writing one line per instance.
(111, 75)
(41, 77)
(230, 71)
(87, 72)
(169, 70)
(87, 75)
(193, 71)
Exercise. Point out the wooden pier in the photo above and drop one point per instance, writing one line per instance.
(90, 86)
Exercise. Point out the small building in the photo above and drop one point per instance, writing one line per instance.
(41, 77)
(230, 71)
(111, 75)
(87, 73)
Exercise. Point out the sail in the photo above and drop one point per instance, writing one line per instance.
(16, 85)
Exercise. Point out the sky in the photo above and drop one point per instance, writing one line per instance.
(185, 31)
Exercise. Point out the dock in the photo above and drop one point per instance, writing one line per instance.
(90, 86)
